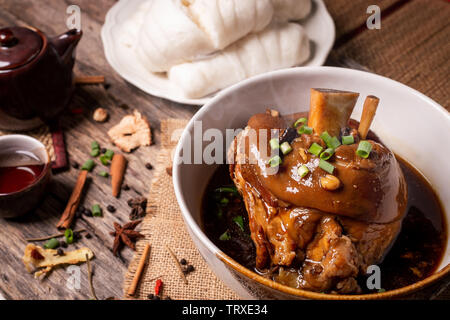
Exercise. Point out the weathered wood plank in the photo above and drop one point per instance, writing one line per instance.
(80, 130)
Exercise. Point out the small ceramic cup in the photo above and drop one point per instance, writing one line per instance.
(23, 201)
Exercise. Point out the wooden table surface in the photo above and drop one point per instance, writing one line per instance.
(80, 130)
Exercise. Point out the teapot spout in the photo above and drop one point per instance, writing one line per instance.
(66, 43)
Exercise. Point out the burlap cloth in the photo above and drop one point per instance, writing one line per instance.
(42, 134)
(163, 226)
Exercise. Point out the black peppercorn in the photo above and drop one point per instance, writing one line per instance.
(75, 165)
(148, 166)
(190, 268)
(88, 236)
(183, 261)
(111, 208)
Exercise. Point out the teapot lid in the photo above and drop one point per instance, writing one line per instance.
(18, 46)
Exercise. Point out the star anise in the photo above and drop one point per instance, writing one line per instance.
(125, 235)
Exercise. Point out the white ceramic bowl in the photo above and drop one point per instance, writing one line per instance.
(411, 124)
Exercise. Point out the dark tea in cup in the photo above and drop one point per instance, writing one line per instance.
(18, 170)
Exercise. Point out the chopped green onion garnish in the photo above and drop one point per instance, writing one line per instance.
(109, 154)
(95, 145)
(219, 212)
(348, 139)
(327, 154)
(305, 130)
(334, 143)
(274, 143)
(224, 201)
(103, 174)
(225, 236)
(325, 165)
(96, 210)
(303, 171)
(275, 161)
(226, 190)
(331, 142)
(326, 137)
(68, 235)
(104, 160)
(51, 244)
(300, 121)
(364, 149)
(315, 149)
(95, 152)
(285, 147)
(239, 221)
(88, 165)
(381, 290)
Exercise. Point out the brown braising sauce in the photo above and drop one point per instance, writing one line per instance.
(414, 256)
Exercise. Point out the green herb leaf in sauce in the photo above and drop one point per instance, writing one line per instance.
(225, 236)
(239, 221)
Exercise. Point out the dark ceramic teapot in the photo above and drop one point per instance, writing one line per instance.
(36, 79)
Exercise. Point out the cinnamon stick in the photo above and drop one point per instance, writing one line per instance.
(368, 113)
(89, 79)
(74, 201)
(140, 269)
(118, 166)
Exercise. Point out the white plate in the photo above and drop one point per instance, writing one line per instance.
(319, 27)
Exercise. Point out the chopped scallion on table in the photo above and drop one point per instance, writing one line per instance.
(52, 244)
(88, 165)
(68, 235)
(364, 149)
(95, 145)
(96, 210)
(104, 160)
(285, 147)
(348, 140)
(109, 154)
(303, 171)
(95, 152)
(103, 174)
(325, 165)
(327, 154)
(315, 149)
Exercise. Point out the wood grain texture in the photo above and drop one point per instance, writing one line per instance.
(412, 47)
(80, 130)
(421, 55)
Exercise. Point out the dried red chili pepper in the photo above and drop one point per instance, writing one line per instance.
(158, 286)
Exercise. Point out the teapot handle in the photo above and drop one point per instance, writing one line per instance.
(66, 43)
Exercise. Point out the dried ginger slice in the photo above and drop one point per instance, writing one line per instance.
(51, 259)
(132, 132)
